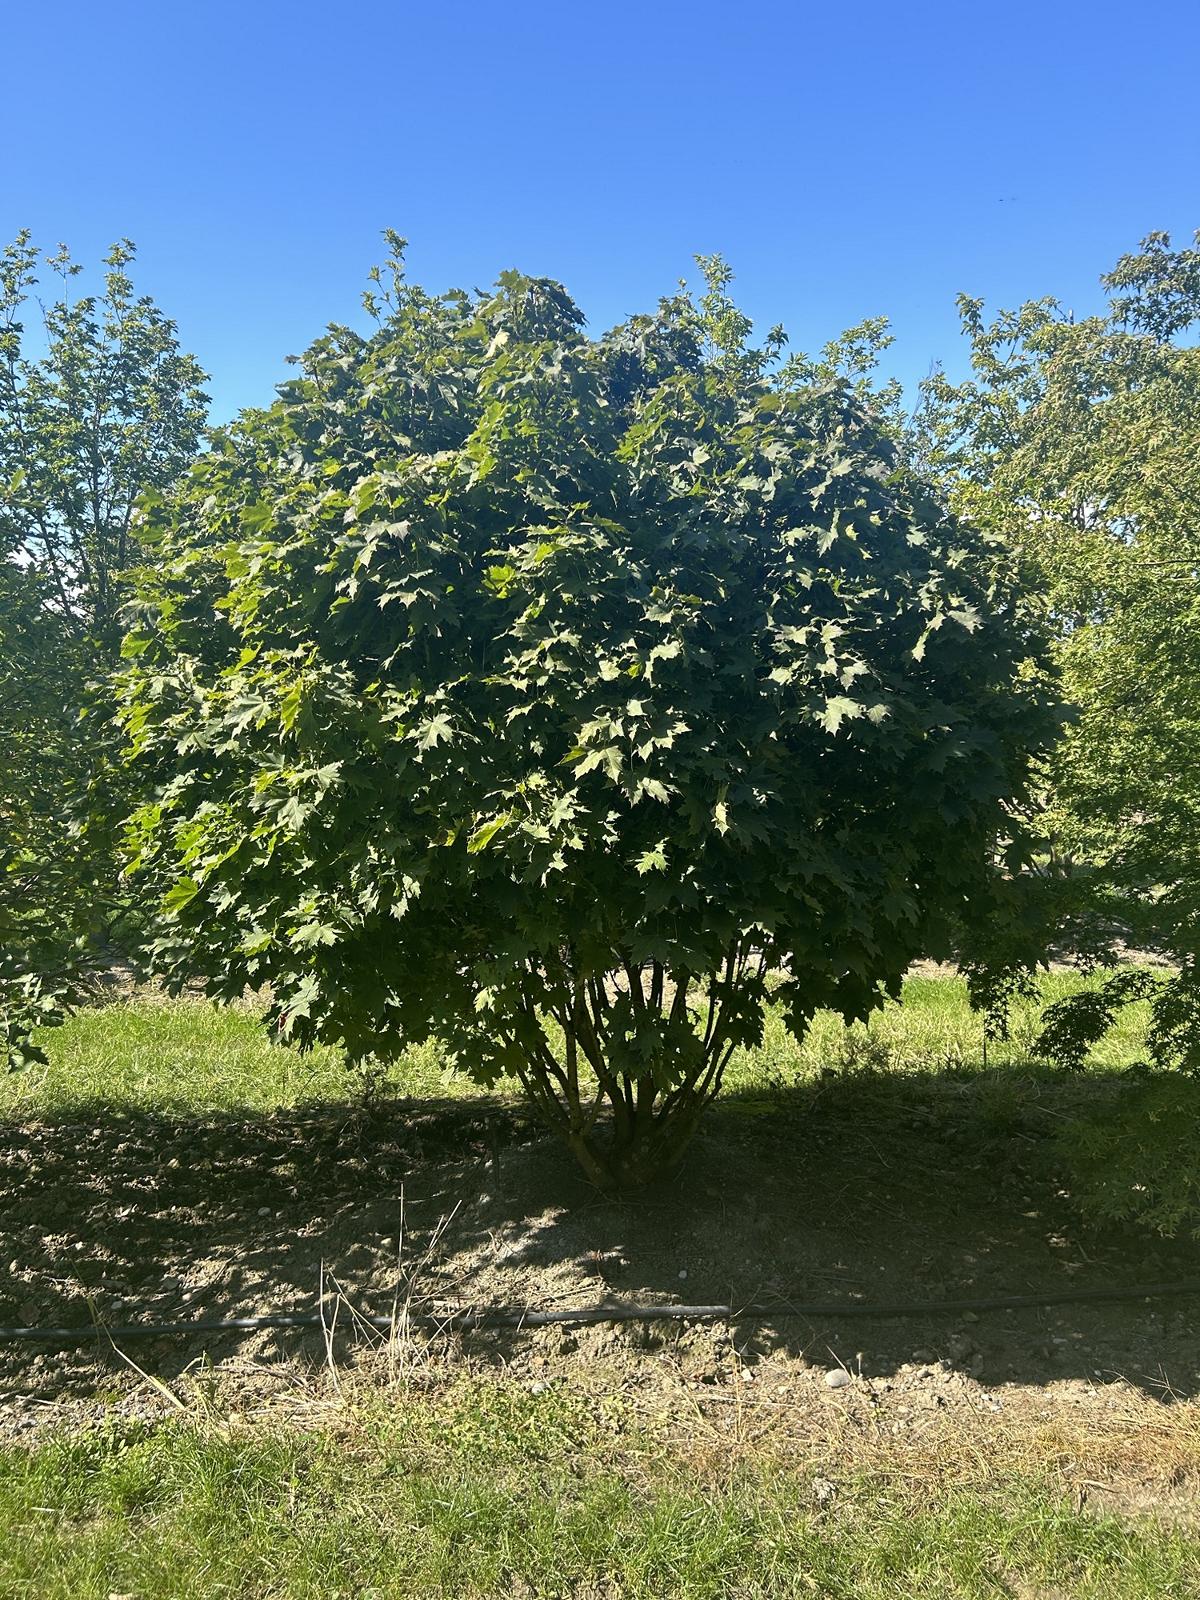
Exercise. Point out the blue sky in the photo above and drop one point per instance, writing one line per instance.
(848, 160)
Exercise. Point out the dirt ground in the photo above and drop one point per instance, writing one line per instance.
(860, 1189)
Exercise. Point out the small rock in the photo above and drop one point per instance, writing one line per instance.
(959, 1347)
(837, 1378)
(970, 1316)
(683, 1272)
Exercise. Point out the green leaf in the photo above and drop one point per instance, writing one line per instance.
(838, 710)
(487, 831)
(289, 705)
(654, 860)
(180, 894)
(437, 730)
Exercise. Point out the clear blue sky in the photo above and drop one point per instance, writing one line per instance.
(847, 159)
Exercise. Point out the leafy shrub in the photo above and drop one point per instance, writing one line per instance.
(543, 693)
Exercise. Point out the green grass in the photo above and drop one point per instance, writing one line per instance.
(933, 1028)
(497, 1492)
(190, 1056)
(187, 1055)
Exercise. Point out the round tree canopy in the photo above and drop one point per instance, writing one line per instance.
(494, 662)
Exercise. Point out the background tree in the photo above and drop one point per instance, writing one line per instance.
(38, 864)
(546, 693)
(108, 408)
(1078, 442)
(97, 405)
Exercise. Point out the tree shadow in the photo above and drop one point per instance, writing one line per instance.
(862, 1189)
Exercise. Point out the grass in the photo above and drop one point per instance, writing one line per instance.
(489, 1490)
(933, 1028)
(188, 1055)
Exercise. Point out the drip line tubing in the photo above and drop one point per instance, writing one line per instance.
(466, 1318)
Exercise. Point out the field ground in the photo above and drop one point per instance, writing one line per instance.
(171, 1163)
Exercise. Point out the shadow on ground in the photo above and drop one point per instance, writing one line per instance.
(865, 1188)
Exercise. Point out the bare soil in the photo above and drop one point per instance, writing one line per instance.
(861, 1189)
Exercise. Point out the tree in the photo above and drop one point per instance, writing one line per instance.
(548, 693)
(40, 870)
(108, 409)
(1078, 442)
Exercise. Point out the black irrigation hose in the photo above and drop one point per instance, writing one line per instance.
(507, 1317)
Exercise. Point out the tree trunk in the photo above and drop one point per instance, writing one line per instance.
(628, 1155)
(644, 1012)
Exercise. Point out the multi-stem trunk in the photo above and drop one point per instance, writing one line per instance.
(644, 1049)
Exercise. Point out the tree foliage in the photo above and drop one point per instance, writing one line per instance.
(1078, 442)
(38, 869)
(108, 408)
(546, 692)
(97, 404)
